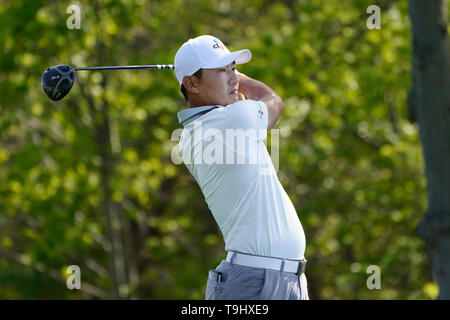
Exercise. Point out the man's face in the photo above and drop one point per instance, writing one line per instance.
(219, 86)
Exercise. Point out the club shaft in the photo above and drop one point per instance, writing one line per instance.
(155, 66)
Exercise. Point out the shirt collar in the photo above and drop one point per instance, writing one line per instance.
(190, 114)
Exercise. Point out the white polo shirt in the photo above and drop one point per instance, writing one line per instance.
(224, 150)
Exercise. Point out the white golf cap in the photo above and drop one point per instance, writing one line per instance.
(205, 52)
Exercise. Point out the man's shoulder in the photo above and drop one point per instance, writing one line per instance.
(251, 112)
(245, 103)
(186, 116)
(244, 107)
(242, 114)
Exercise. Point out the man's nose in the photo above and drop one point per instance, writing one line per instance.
(234, 77)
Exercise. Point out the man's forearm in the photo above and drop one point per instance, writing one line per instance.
(256, 90)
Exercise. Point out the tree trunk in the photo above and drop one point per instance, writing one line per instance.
(430, 106)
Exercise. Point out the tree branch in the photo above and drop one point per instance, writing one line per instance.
(24, 260)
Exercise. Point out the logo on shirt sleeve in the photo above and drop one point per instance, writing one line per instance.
(260, 112)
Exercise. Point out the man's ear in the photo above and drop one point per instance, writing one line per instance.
(191, 84)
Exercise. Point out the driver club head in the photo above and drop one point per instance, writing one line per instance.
(57, 81)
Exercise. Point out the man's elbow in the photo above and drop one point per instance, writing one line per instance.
(275, 110)
(280, 104)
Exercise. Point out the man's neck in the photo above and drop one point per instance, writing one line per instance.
(193, 103)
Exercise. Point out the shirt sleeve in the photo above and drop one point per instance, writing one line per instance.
(247, 114)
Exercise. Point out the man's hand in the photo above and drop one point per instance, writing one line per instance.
(256, 90)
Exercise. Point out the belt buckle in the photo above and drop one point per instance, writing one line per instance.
(301, 267)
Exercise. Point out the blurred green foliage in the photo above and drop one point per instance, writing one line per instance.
(350, 160)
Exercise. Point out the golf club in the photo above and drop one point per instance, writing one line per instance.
(58, 80)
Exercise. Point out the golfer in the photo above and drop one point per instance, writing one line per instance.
(222, 146)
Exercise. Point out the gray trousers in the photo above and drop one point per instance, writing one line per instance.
(238, 282)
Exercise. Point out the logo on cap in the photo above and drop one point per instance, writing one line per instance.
(218, 45)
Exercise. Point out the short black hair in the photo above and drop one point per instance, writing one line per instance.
(198, 74)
